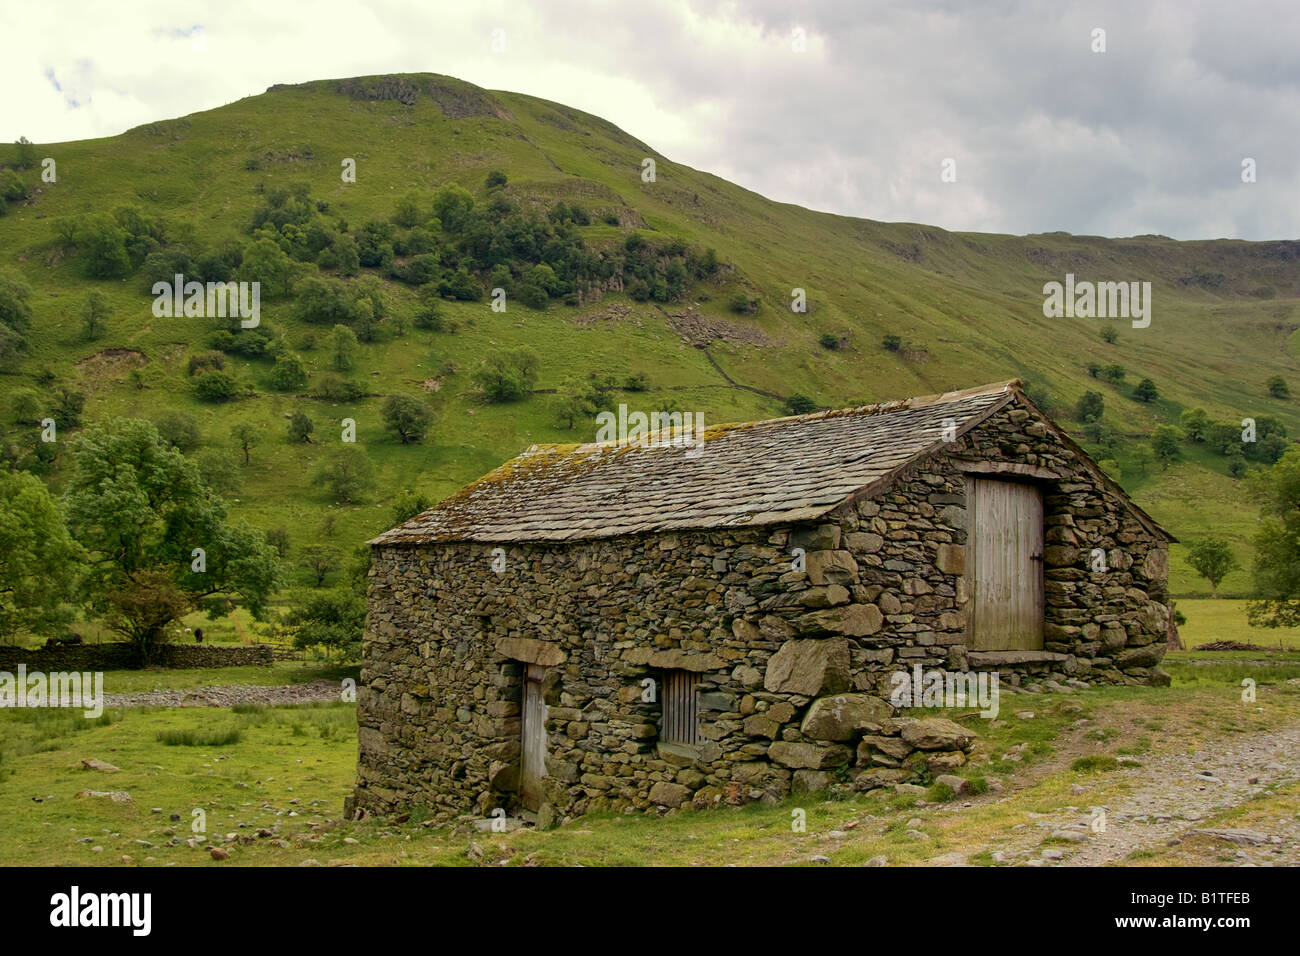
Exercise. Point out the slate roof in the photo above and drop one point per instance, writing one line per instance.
(759, 473)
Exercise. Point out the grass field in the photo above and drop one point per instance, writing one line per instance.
(1224, 619)
(286, 770)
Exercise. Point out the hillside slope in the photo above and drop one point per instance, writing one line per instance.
(967, 308)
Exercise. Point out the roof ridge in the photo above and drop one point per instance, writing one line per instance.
(889, 405)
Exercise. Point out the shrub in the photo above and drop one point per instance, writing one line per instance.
(289, 373)
(347, 476)
(799, 405)
(495, 178)
(533, 296)
(1109, 333)
(180, 431)
(205, 361)
(334, 389)
(509, 375)
(830, 341)
(216, 386)
(1091, 406)
(1146, 391)
(430, 317)
(300, 427)
(1278, 388)
(892, 343)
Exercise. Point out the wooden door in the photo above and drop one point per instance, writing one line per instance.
(1006, 567)
(533, 758)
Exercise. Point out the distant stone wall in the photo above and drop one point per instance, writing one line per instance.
(118, 656)
(793, 666)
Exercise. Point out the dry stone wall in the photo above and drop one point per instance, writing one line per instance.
(792, 666)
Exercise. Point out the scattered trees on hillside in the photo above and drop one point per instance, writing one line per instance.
(576, 398)
(300, 427)
(406, 417)
(347, 475)
(1212, 559)
(1146, 391)
(1165, 444)
(289, 372)
(179, 430)
(320, 560)
(508, 375)
(343, 348)
(1195, 423)
(1090, 407)
(15, 316)
(409, 504)
(94, 315)
(246, 437)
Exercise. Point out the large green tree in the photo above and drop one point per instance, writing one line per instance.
(1277, 543)
(159, 538)
(39, 561)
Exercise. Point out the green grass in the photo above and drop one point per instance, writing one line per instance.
(968, 305)
(1224, 619)
(291, 767)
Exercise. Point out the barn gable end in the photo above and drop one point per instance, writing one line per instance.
(792, 630)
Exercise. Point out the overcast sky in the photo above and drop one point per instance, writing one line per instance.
(858, 118)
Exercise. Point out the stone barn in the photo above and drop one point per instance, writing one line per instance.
(654, 625)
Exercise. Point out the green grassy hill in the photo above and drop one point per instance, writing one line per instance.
(967, 307)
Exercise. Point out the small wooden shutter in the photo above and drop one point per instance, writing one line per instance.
(1005, 567)
(679, 708)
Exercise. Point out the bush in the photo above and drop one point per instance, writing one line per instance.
(509, 375)
(892, 343)
(494, 179)
(1109, 333)
(180, 431)
(216, 386)
(1146, 391)
(205, 361)
(533, 296)
(289, 373)
(430, 317)
(347, 476)
(799, 405)
(1278, 388)
(830, 341)
(334, 389)
(1091, 406)
(300, 427)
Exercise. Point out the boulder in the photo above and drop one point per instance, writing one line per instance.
(811, 781)
(844, 716)
(853, 620)
(669, 794)
(938, 733)
(808, 756)
(810, 667)
(831, 567)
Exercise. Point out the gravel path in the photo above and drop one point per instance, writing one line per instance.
(1172, 797)
(230, 694)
